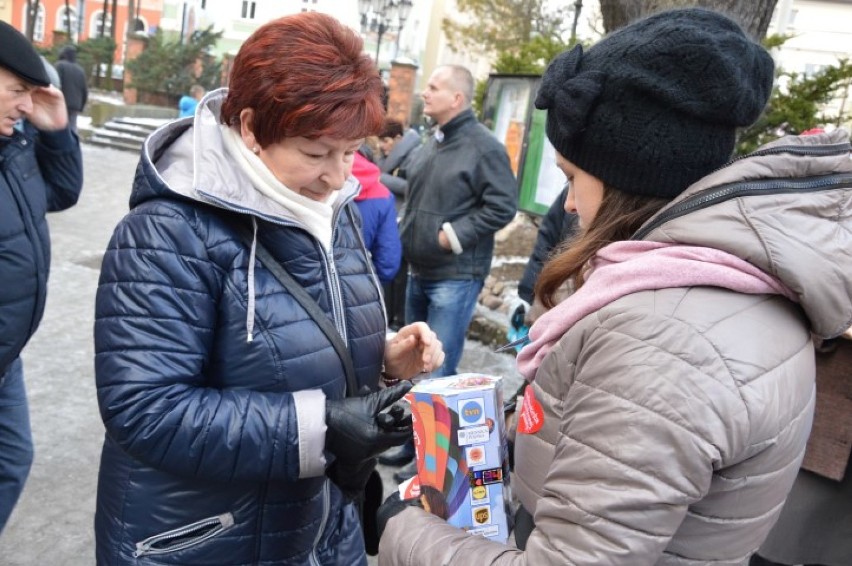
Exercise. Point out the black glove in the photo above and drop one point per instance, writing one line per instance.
(351, 479)
(394, 417)
(354, 432)
(392, 507)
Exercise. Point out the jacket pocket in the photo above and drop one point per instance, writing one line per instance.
(184, 537)
(421, 243)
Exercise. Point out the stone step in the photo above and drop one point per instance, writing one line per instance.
(147, 124)
(115, 144)
(117, 138)
(125, 133)
(119, 134)
(126, 128)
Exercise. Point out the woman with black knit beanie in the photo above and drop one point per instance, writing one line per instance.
(672, 394)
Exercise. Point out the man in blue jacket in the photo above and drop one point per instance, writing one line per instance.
(41, 170)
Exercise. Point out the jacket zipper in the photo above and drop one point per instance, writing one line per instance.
(715, 195)
(339, 322)
(326, 497)
(336, 298)
(375, 275)
(31, 231)
(218, 524)
(332, 280)
(334, 283)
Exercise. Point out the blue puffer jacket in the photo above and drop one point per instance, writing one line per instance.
(40, 172)
(214, 441)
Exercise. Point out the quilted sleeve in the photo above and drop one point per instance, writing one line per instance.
(61, 166)
(156, 311)
(650, 413)
(639, 429)
(387, 247)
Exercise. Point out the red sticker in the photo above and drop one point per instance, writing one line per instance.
(531, 418)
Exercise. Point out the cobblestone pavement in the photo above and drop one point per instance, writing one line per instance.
(52, 524)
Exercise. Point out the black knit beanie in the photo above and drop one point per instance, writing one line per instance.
(654, 106)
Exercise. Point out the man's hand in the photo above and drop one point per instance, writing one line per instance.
(49, 112)
(414, 349)
(444, 241)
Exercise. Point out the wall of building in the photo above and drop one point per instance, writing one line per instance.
(821, 35)
(87, 18)
(6, 10)
(239, 18)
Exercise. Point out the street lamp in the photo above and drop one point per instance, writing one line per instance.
(578, 5)
(381, 16)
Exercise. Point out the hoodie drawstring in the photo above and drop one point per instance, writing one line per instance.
(250, 309)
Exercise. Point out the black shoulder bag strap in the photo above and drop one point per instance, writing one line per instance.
(311, 306)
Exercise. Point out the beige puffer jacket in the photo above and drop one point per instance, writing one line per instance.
(675, 420)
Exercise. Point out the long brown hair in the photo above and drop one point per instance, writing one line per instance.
(619, 216)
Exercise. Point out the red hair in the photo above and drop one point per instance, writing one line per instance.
(305, 75)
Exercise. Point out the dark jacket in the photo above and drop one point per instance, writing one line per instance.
(378, 226)
(465, 180)
(213, 428)
(395, 164)
(73, 80)
(556, 226)
(40, 172)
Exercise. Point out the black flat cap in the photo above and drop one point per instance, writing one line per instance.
(19, 56)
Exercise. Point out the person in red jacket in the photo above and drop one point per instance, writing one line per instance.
(378, 212)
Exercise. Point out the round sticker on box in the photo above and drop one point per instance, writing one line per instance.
(472, 412)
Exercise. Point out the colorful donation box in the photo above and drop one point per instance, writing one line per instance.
(462, 460)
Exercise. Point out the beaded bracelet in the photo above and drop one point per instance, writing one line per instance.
(388, 380)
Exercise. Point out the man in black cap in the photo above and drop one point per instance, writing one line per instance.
(41, 170)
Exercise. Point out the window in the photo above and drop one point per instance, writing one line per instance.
(38, 30)
(248, 9)
(139, 25)
(63, 24)
(812, 69)
(96, 23)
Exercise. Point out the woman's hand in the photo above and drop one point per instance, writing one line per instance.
(415, 349)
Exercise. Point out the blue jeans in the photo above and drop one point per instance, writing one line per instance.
(447, 307)
(16, 443)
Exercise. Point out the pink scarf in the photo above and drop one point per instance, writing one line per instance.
(623, 268)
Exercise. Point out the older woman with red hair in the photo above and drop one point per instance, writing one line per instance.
(240, 335)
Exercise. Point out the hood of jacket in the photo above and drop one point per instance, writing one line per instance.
(801, 234)
(187, 159)
(368, 174)
(68, 53)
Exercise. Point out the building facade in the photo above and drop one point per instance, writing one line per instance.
(85, 19)
(820, 35)
(820, 29)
